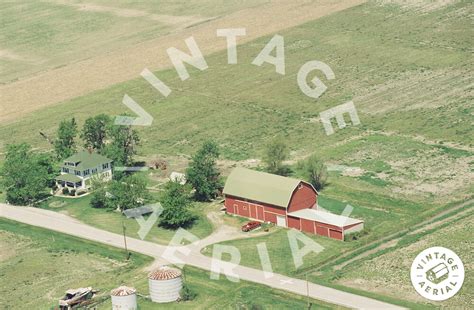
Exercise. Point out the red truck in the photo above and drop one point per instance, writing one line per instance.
(251, 226)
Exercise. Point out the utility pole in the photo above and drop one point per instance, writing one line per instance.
(125, 240)
(307, 291)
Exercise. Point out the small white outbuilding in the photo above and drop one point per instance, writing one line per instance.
(178, 177)
(124, 298)
(165, 283)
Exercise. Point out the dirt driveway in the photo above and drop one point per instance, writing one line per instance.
(27, 95)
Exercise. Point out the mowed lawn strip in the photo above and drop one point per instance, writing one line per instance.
(114, 221)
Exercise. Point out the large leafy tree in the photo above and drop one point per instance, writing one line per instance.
(26, 175)
(202, 172)
(45, 162)
(314, 171)
(99, 196)
(94, 131)
(65, 144)
(175, 202)
(276, 152)
(123, 146)
(128, 193)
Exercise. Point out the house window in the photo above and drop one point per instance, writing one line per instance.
(105, 166)
(77, 172)
(86, 172)
(94, 170)
(66, 170)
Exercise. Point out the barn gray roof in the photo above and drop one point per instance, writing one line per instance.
(325, 217)
(261, 186)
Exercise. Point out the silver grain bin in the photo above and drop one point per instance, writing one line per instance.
(124, 298)
(165, 283)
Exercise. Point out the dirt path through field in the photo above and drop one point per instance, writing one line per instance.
(76, 79)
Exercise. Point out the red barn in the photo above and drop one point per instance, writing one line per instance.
(286, 202)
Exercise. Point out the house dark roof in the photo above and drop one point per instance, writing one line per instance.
(86, 160)
(261, 186)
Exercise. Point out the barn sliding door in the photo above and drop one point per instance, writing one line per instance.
(281, 221)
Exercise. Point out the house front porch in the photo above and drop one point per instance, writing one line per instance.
(69, 181)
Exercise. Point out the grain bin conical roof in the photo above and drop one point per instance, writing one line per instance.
(123, 291)
(164, 273)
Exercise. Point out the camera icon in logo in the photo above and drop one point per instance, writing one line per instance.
(438, 273)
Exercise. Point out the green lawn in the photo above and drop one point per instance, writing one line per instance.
(38, 265)
(112, 221)
(280, 253)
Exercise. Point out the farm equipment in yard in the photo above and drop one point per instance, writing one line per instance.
(76, 298)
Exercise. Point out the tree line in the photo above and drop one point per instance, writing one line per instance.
(99, 133)
(27, 174)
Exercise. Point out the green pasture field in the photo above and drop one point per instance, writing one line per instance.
(243, 105)
(414, 141)
(38, 265)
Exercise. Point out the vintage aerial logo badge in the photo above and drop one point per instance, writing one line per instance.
(437, 273)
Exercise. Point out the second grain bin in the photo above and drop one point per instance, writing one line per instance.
(165, 283)
(124, 298)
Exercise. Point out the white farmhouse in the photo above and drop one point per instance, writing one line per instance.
(77, 170)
